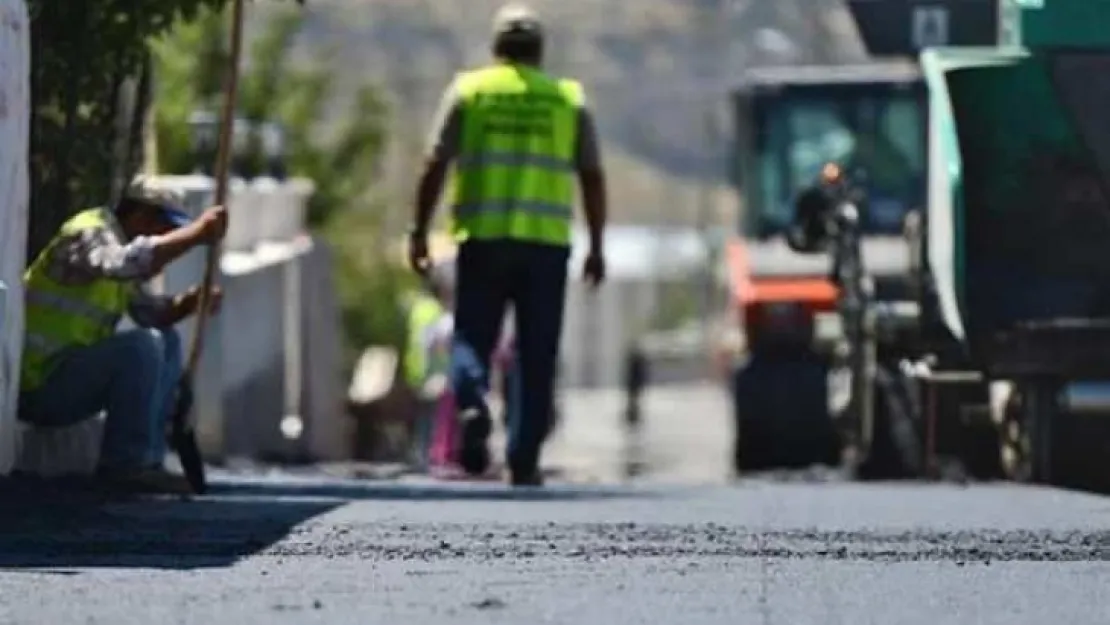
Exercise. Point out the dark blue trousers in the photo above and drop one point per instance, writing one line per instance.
(532, 278)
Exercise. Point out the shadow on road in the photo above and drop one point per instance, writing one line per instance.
(83, 532)
(49, 528)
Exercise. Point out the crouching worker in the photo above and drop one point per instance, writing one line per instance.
(76, 365)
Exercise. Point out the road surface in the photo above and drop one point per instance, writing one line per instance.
(282, 549)
(686, 437)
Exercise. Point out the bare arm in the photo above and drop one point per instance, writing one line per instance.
(160, 311)
(172, 245)
(443, 146)
(101, 254)
(591, 177)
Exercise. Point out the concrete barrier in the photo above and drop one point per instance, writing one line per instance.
(15, 115)
(278, 296)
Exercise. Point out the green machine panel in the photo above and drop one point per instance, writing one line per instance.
(1019, 214)
(1055, 23)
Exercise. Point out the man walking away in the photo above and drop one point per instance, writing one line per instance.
(75, 364)
(517, 139)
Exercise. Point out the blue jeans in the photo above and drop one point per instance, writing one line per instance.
(132, 376)
(532, 278)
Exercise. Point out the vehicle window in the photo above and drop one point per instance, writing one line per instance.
(877, 136)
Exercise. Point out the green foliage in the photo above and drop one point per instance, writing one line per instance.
(341, 159)
(369, 284)
(82, 51)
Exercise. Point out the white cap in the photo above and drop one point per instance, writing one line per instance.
(517, 18)
(150, 189)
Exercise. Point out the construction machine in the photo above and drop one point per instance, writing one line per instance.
(794, 400)
(1019, 228)
(989, 343)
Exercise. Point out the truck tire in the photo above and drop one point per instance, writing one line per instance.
(781, 416)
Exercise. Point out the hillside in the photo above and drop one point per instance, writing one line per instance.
(657, 73)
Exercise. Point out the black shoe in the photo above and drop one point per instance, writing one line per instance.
(148, 481)
(531, 477)
(474, 452)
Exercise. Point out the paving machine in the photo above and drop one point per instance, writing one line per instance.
(983, 333)
(795, 403)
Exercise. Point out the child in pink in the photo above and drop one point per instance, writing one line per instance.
(444, 426)
(446, 432)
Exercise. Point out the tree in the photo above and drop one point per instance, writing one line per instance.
(341, 158)
(85, 54)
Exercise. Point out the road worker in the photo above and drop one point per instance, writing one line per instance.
(76, 365)
(516, 139)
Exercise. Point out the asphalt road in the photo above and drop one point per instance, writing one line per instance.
(283, 549)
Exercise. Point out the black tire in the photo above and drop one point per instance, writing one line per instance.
(781, 416)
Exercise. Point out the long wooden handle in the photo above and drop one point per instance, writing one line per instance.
(223, 166)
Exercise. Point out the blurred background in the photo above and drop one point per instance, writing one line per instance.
(335, 100)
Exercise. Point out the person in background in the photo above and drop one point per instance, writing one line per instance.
(445, 461)
(445, 426)
(76, 365)
(423, 361)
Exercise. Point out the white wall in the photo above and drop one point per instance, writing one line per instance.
(274, 348)
(15, 32)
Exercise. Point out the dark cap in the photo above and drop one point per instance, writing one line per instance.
(517, 19)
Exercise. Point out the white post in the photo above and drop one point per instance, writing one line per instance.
(15, 93)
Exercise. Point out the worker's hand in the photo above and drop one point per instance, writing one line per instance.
(215, 300)
(419, 260)
(593, 270)
(213, 225)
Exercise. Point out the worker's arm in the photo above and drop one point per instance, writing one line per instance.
(591, 177)
(150, 310)
(208, 229)
(443, 145)
(101, 253)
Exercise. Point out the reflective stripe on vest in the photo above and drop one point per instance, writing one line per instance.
(514, 176)
(45, 299)
(505, 206)
(60, 316)
(514, 159)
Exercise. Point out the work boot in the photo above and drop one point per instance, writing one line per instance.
(526, 477)
(524, 470)
(147, 481)
(473, 449)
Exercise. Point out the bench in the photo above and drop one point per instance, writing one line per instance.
(382, 405)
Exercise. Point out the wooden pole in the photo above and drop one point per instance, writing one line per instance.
(222, 171)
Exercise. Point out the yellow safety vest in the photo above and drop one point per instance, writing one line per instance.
(423, 312)
(515, 175)
(60, 317)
